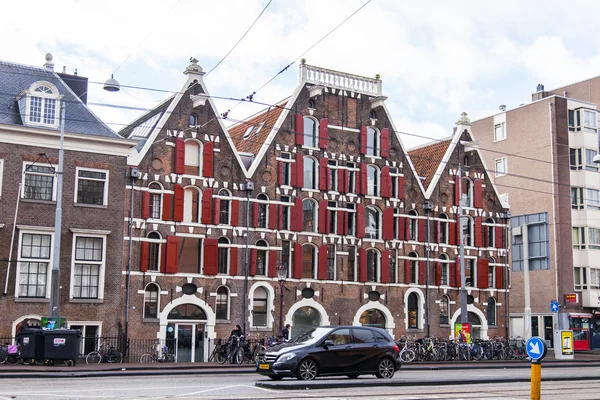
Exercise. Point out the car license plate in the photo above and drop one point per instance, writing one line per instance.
(263, 366)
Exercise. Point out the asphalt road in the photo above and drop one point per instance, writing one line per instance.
(573, 383)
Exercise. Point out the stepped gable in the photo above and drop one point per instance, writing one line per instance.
(427, 158)
(261, 124)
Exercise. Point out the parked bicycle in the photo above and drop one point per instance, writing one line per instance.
(153, 356)
(10, 354)
(104, 354)
(248, 353)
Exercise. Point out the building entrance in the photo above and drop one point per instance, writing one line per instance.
(186, 328)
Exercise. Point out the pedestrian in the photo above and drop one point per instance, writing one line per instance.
(237, 331)
(285, 332)
(22, 326)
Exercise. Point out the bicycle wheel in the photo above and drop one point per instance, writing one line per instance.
(3, 355)
(407, 355)
(238, 357)
(93, 358)
(168, 357)
(220, 357)
(13, 359)
(259, 352)
(115, 357)
(147, 359)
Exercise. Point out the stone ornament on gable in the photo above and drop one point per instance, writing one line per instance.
(463, 120)
(194, 67)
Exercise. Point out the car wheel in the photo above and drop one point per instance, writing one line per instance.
(385, 368)
(307, 370)
(276, 377)
(352, 376)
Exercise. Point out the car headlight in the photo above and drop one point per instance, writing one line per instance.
(286, 357)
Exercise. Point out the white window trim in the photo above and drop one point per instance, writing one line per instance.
(270, 306)
(32, 93)
(157, 302)
(316, 134)
(105, 196)
(377, 262)
(101, 272)
(42, 231)
(504, 161)
(200, 155)
(1, 174)
(316, 172)
(228, 312)
(86, 324)
(159, 192)
(24, 172)
(503, 135)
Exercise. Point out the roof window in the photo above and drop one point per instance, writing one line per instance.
(40, 104)
(248, 132)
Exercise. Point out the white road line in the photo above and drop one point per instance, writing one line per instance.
(208, 390)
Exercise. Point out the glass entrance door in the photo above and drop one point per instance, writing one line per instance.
(185, 341)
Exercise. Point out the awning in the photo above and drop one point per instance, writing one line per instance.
(580, 315)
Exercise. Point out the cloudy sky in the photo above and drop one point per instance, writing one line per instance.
(436, 58)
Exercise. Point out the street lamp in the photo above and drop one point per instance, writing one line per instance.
(281, 275)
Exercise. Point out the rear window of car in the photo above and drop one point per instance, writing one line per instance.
(363, 336)
(380, 337)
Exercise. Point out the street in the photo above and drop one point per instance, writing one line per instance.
(582, 383)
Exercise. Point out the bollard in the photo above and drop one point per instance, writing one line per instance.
(536, 379)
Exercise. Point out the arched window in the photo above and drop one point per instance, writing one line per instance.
(467, 193)
(444, 310)
(491, 272)
(193, 120)
(309, 213)
(413, 311)
(304, 319)
(151, 301)
(224, 207)
(445, 269)
(222, 303)
(372, 180)
(44, 104)
(466, 223)
(262, 211)
(490, 233)
(309, 259)
(372, 223)
(191, 204)
(372, 317)
(310, 132)
(414, 267)
(372, 114)
(442, 229)
(261, 258)
(154, 251)
(413, 225)
(259, 307)
(223, 255)
(373, 266)
(155, 190)
(491, 311)
(311, 104)
(310, 173)
(193, 158)
(372, 141)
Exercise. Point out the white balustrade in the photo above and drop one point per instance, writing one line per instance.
(340, 80)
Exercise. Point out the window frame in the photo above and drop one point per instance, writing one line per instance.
(314, 137)
(444, 306)
(373, 180)
(586, 127)
(315, 256)
(445, 269)
(373, 142)
(502, 135)
(332, 167)
(368, 234)
(575, 159)
(492, 318)
(286, 179)
(313, 175)
(580, 279)
(262, 251)
(220, 303)
(315, 216)
(373, 271)
(155, 195)
(592, 201)
(223, 251)
(144, 316)
(413, 225)
(21, 259)
(44, 99)
(26, 165)
(260, 300)
(188, 204)
(225, 199)
(101, 266)
(350, 165)
(503, 161)
(578, 232)
(193, 148)
(263, 210)
(590, 165)
(157, 243)
(596, 244)
(285, 212)
(577, 199)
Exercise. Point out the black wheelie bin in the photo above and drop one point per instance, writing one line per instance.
(62, 345)
(32, 345)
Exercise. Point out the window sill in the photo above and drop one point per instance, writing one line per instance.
(261, 328)
(415, 330)
(103, 206)
(311, 190)
(86, 301)
(49, 202)
(223, 321)
(150, 320)
(444, 325)
(31, 300)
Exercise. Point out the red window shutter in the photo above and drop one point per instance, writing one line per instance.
(363, 139)
(233, 261)
(362, 265)
(179, 156)
(235, 213)
(478, 232)
(422, 271)
(421, 229)
(280, 172)
(208, 160)
(253, 257)
(323, 174)
(499, 237)
(482, 273)
(385, 142)
(322, 268)
(345, 216)
(499, 277)
(211, 256)
(272, 269)
(297, 270)
(386, 182)
(145, 205)
(388, 224)
(178, 203)
(401, 187)
(407, 271)
(255, 214)
(172, 255)
(453, 268)
(144, 249)
(216, 210)
(342, 216)
(360, 221)
(385, 266)
(457, 193)
(451, 232)
(477, 195)
(166, 211)
(163, 258)
(341, 186)
(296, 216)
(272, 216)
(401, 228)
(457, 272)
(299, 130)
(299, 170)
(438, 273)
(323, 133)
(206, 206)
(363, 179)
(323, 217)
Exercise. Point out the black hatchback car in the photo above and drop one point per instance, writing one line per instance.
(338, 350)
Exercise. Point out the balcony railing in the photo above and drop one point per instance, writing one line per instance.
(340, 80)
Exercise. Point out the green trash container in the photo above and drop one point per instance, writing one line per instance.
(32, 344)
(62, 345)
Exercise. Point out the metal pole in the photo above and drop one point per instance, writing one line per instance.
(527, 311)
(464, 318)
(281, 284)
(128, 278)
(55, 287)
(427, 251)
(246, 264)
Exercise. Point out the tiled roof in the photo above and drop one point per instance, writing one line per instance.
(142, 128)
(14, 78)
(427, 159)
(262, 123)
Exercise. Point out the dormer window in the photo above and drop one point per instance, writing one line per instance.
(40, 104)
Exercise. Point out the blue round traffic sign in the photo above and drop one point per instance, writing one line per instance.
(536, 348)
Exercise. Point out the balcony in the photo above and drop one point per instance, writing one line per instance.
(340, 80)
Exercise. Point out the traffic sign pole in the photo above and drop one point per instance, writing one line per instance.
(536, 380)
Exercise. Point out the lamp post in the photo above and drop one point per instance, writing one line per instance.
(281, 275)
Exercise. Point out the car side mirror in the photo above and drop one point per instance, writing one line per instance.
(327, 343)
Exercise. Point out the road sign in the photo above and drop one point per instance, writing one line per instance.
(554, 306)
(536, 348)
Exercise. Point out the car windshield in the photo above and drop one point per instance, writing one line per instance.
(311, 336)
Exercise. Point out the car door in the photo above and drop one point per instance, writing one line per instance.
(366, 350)
(335, 357)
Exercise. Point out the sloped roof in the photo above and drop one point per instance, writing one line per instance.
(142, 128)
(250, 141)
(14, 78)
(427, 159)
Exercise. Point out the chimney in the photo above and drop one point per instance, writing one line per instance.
(540, 87)
(78, 84)
(502, 108)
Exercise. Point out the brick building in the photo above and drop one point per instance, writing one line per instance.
(95, 166)
(542, 158)
(315, 199)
